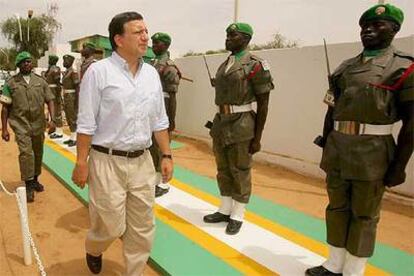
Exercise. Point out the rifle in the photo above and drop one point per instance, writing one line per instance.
(208, 71)
(186, 79)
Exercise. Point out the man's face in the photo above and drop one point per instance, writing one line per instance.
(67, 62)
(377, 34)
(235, 41)
(86, 51)
(159, 47)
(26, 66)
(134, 40)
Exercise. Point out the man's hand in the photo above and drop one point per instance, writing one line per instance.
(5, 135)
(80, 174)
(254, 146)
(394, 176)
(51, 127)
(166, 169)
(213, 82)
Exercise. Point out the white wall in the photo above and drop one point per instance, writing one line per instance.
(296, 110)
(60, 50)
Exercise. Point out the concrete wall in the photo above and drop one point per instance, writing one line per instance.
(296, 110)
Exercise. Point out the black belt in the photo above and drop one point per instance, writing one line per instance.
(129, 154)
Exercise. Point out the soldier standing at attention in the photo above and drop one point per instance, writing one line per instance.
(170, 79)
(370, 92)
(23, 99)
(52, 76)
(87, 52)
(70, 84)
(237, 130)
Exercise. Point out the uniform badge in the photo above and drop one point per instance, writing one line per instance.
(265, 65)
(329, 98)
(233, 27)
(380, 10)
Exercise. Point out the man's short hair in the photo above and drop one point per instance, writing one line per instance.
(116, 26)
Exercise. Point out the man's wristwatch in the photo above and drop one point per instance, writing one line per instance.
(169, 156)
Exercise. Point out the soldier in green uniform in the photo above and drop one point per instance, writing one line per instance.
(242, 80)
(371, 92)
(70, 84)
(52, 76)
(170, 79)
(87, 52)
(23, 100)
(149, 55)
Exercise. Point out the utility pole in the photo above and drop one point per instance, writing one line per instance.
(29, 16)
(236, 11)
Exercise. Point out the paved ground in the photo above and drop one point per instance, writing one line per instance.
(59, 222)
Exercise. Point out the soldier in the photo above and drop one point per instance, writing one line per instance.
(149, 56)
(170, 79)
(23, 99)
(87, 52)
(240, 81)
(70, 83)
(52, 76)
(370, 92)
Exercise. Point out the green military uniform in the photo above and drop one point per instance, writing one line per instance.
(52, 76)
(232, 133)
(70, 82)
(27, 119)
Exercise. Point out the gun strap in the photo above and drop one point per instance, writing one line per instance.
(255, 70)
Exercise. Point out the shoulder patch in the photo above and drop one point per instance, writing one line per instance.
(265, 65)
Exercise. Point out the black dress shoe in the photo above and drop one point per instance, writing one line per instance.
(160, 191)
(320, 271)
(71, 143)
(36, 185)
(55, 136)
(94, 263)
(29, 191)
(233, 227)
(216, 217)
(66, 142)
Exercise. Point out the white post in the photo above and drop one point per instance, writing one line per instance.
(236, 11)
(20, 26)
(27, 255)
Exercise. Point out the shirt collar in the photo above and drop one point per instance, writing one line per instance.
(122, 62)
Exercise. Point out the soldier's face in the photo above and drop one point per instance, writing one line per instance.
(377, 34)
(26, 66)
(134, 40)
(67, 62)
(235, 41)
(159, 47)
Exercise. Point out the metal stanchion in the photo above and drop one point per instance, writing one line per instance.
(21, 195)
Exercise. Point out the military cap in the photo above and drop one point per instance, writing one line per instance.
(241, 28)
(383, 11)
(53, 57)
(89, 45)
(164, 37)
(68, 57)
(22, 56)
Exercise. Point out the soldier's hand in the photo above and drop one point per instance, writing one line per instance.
(51, 127)
(167, 168)
(394, 176)
(80, 174)
(171, 127)
(254, 146)
(213, 82)
(5, 135)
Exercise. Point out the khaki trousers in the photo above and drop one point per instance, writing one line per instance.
(30, 155)
(121, 200)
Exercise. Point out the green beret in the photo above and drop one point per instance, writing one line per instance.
(89, 45)
(21, 57)
(53, 57)
(68, 57)
(241, 28)
(383, 11)
(162, 37)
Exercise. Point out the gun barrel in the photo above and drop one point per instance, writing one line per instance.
(208, 69)
(327, 57)
(187, 79)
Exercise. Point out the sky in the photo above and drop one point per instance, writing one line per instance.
(199, 25)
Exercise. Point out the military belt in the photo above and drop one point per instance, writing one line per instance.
(166, 94)
(230, 109)
(69, 91)
(52, 85)
(128, 154)
(356, 128)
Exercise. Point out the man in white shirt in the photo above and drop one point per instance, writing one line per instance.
(120, 106)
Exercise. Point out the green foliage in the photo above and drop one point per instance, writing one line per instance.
(41, 33)
(7, 57)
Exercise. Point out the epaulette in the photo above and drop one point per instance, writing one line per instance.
(170, 62)
(40, 76)
(341, 68)
(404, 55)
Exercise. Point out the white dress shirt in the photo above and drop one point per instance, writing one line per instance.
(118, 109)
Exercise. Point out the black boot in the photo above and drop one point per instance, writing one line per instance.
(216, 217)
(29, 191)
(160, 191)
(94, 263)
(320, 271)
(233, 227)
(37, 186)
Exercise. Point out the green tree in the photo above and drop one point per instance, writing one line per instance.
(7, 57)
(42, 30)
